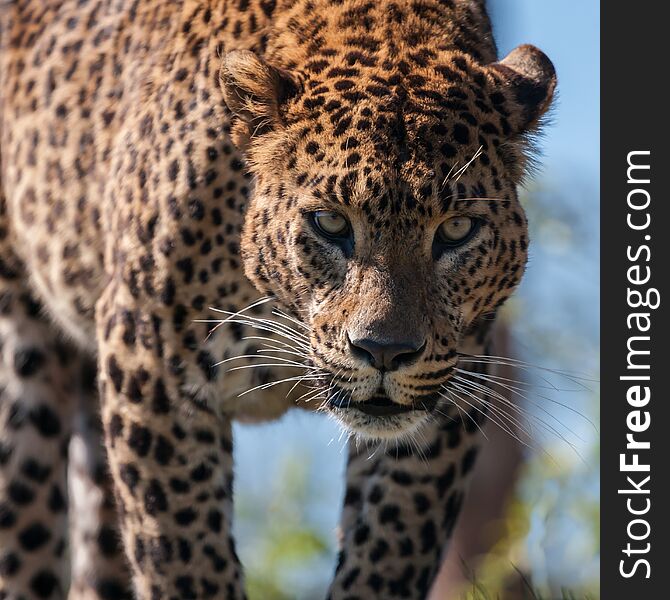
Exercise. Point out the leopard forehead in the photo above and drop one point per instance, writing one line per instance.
(417, 128)
(397, 150)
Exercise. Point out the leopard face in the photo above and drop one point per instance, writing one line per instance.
(385, 215)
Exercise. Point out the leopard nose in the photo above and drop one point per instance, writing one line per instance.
(386, 355)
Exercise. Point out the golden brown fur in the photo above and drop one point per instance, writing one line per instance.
(160, 158)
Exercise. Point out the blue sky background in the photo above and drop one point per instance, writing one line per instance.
(568, 31)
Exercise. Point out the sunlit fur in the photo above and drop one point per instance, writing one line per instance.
(161, 158)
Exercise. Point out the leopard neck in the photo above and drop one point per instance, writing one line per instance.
(368, 31)
(293, 33)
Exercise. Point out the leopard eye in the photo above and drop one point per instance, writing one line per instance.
(456, 231)
(331, 224)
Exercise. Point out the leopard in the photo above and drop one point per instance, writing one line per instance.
(219, 210)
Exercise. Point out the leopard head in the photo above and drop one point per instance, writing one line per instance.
(385, 212)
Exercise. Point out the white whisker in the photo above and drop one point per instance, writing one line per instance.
(469, 415)
(520, 392)
(265, 386)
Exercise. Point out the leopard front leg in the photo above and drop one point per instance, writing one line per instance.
(99, 570)
(401, 505)
(170, 457)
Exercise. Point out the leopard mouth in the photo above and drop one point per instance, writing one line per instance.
(381, 405)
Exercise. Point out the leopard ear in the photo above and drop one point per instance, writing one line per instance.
(255, 93)
(527, 79)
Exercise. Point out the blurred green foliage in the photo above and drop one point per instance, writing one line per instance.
(551, 533)
(287, 544)
(510, 560)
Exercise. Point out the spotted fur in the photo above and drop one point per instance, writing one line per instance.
(160, 158)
